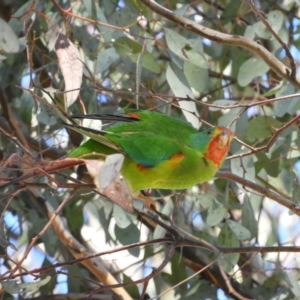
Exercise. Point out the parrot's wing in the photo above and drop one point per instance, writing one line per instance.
(149, 150)
(106, 117)
(145, 121)
(96, 135)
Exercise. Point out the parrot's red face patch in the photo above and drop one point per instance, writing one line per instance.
(219, 145)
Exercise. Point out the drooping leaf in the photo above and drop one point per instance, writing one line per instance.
(216, 215)
(180, 88)
(250, 69)
(9, 42)
(262, 127)
(4, 242)
(121, 217)
(117, 191)
(106, 58)
(248, 217)
(286, 105)
(159, 232)
(110, 169)
(12, 287)
(227, 238)
(129, 235)
(240, 231)
(71, 66)
(183, 48)
(196, 76)
(132, 49)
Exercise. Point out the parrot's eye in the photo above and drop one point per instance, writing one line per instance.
(209, 131)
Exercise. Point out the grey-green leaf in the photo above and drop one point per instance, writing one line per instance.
(251, 68)
(227, 238)
(9, 42)
(240, 231)
(216, 215)
(183, 48)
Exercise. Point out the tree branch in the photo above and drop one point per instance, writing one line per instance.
(226, 39)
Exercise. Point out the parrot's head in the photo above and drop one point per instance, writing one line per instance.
(220, 139)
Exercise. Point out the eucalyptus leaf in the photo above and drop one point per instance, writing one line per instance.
(250, 69)
(71, 66)
(293, 282)
(216, 215)
(12, 287)
(132, 49)
(4, 242)
(183, 48)
(106, 58)
(227, 238)
(240, 231)
(286, 105)
(262, 127)
(128, 236)
(180, 88)
(248, 217)
(121, 217)
(110, 169)
(9, 42)
(160, 232)
(243, 167)
(196, 76)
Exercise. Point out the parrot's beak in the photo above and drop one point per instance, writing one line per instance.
(225, 138)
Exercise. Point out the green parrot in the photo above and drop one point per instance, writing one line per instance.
(160, 151)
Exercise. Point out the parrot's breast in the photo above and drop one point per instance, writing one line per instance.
(177, 173)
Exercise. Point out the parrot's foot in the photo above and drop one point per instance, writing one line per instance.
(149, 203)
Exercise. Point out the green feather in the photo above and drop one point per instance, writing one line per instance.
(160, 151)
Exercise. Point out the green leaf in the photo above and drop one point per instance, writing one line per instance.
(180, 88)
(128, 236)
(248, 217)
(183, 48)
(275, 19)
(296, 193)
(197, 77)
(261, 127)
(293, 281)
(9, 42)
(243, 167)
(263, 162)
(97, 14)
(286, 105)
(12, 287)
(230, 10)
(105, 59)
(160, 232)
(275, 89)
(251, 68)
(121, 216)
(178, 269)
(249, 32)
(4, 242)
(124, 16)
(128, 48)
(46, 115)
(240, 231)
(216, 215)
(227, 238)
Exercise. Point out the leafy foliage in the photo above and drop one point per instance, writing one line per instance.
(227, 63)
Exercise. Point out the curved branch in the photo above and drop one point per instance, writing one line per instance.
(294, 207)
(226, 39)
